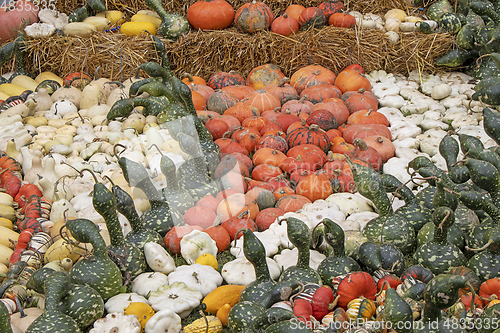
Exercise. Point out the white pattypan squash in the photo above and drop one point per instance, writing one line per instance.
(241, 271)
(268, 238)
(145, 283)
(177, 297)
(203, 278)
(195, 244)
(288, 258)
(118, 303)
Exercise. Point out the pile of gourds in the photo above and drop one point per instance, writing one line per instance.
(117, 262)
(476, 25)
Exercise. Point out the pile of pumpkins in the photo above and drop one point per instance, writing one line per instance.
(293, 151)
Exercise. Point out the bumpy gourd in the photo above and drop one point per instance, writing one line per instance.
(438, 255)
(99, 271)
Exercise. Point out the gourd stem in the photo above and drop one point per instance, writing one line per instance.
(481, 248)
(91, 172)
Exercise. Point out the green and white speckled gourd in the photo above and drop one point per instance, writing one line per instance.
(99, 271)
(192, 175)
(449, 150)
(439, 255)
(52, 319)
(397, 311)
(439, 294)
(337, 263)
(385, 257)
(387, 227)
(82, 303)
(486, 264)
(300, 236)
(160, 217)
(478, 201)
(173, 193)
(129, 258)
(255, 253)
(486, 176)
(139, 235)
(4, 319)
(415, 213)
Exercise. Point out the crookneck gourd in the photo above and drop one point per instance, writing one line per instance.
(337, 263)
(172, 192)
(387, 227)
(52, 319)
(414, 212)
(98, 271)
(300, 236)
(129, 258)
(439, 255)
(160, 217)
(486, 264)
(139, 235)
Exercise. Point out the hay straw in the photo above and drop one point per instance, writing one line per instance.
(117, 54)
(335, 48)
(204, 53)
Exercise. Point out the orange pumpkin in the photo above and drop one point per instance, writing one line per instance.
(200, 216)
(321, 92)
(193, 79)
(253, 16)
(219, 80)
(357, 101)
(267, 216)
(284, 91)
(292, 203)
(295, 106)
(262, 75)
(236, 223)
(208, 201)
(364, 130)
(239, 90)
(336, 107)
(367, 117)
(315, 186)
(221, 237)
(199, 101)
(255, 121)
(294, 11)
(342, 20)
(285, 25)
(268, 156)
(264, 172)
(202, 89)
(242, 111)
(210, 14)
(263, 100)
(383, 145)
(311, 75)
(350, 79)
(280, 192)
(235, 204)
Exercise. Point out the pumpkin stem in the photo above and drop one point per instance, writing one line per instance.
(360, 143)
(481, 248)
(244, 213)
(206, 320)
(282, 82)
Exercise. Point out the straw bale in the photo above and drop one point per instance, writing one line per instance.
(203, 53)
(117, 54)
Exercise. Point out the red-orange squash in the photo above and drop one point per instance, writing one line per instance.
(262, 75)
(352, 80)
(253, 16)
(14, 16)
(311, 75)
(285, 25)
(210, 14)
(292, 203)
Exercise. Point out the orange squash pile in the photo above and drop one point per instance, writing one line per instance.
(285, 142)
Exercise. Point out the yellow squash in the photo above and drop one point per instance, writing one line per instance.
(146, 18)
(11, 89)
(49, 76)
(229, 293)
(137, 28)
